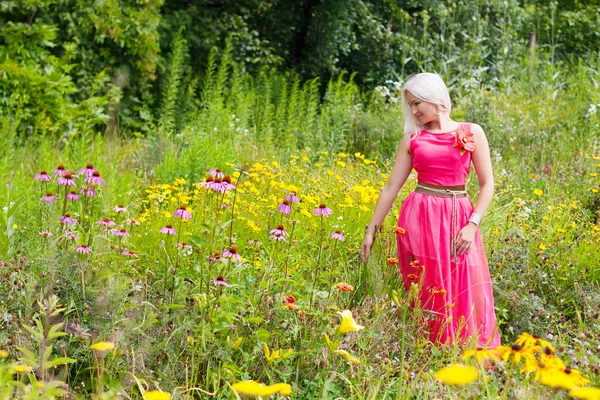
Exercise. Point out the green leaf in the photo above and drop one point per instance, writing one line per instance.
(58, 361)
(34, 333)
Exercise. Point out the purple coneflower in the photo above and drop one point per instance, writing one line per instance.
(220, 281)
(120, 209)
(42, 176)
(69, 235)
(218, 185)
(338, 235)
(60, 170)
(88, 191)
(284, 207)
(87, 171)
(73, 196)
(95, 179)
(322, 210)
(227, 181)
(105, 222)
(216, 173)
(292, 197)
(46, 234)
(66, 219)
(278, 233)
(67, 180)
(129, 253)
(132, 222)
(83, 249)
(207, 182)
(48, 198)
(232, 253)
(168, 229)
(215, 257)
(120, 232)
(182, 212)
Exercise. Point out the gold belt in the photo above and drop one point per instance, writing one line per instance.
(445, 191)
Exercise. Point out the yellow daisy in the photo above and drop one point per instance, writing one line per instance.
(457, 374)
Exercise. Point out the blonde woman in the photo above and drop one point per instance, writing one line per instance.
(439, 243)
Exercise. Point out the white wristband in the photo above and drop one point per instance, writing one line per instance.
(475, 218)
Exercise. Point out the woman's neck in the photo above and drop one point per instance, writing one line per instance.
(444, 124)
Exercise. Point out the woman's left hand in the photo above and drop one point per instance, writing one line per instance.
(465, 238)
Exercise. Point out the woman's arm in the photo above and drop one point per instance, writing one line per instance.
(400, 171)
(483, 167)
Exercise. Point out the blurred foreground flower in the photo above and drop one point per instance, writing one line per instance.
(157, 395)
(586, 393)
(457, 374)
(103, 346)
(348, 356)
(348, 323)
(344, 287)
(253, 388)
(481, 354)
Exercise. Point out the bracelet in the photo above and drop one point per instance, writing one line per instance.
(475, 218)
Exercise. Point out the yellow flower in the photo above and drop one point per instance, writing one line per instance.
(538, 192)
(348, 324)
(348, 356)
(481, 354)
(22, 368)
(253, 388)
(517, 351)
(543, 247)
(586, 393)
(237, 343)
(457, 374)
(527, 340)
(157, 395)
(3, 353)
(103, 346)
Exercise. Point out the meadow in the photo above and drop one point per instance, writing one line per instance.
(185, 263)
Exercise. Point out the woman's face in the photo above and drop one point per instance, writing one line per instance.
(423, 111)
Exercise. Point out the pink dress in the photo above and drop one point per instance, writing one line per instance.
(456, 295)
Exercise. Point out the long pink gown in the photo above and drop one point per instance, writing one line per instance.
(456, 295)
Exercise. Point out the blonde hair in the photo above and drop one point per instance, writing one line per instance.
(427, 87)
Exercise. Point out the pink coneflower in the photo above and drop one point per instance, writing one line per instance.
(42, 176)
(232, 253)
(95, 179)
(120, 209)
(338, 235)
(168, 230)
(182, 212)
(322, 210)
(278, 233)
(216, 173)
(120, 232)
(220, 281)
(88, 191)
(73, 196)
(215, 257)
(207, 182)
(105, 222)
(83, 249)
(46, 234)
(129, 253)
(218, 185)
(67, 180)
(227, 180)
(292, 197)
(69, 235)
(66, 219)
(48, 198)
(132, 222)
(285, 207)
(60, 170)
(87, 171)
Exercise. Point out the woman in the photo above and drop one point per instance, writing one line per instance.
(439, 243)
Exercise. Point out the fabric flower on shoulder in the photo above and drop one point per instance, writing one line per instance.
(465, 140)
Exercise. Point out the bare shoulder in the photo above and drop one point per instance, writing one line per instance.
(476, 129)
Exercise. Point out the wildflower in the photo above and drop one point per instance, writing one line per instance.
(182, 212)
(83, 249)
(413, 277)
(168, 229)
(120, 232)
(284, 207)
(69, 235)
(348, 324)
(220, 281)
(87, 171)
(338, 235)
(348, 356)
(564, 378)
(132, 221)
(73, 196)
(103, 346)
(227, 181)
(66, 219)
(236, 345)
(528, 341)
(322, 210)
(42, 176)
(435, 290)
(219, 186)
(67, 180)
(392, 261)
(46, 234)
(517, 351)
(60, 170)
(207, 182)
(253, 388)
(481, 354)
(217, 173)
(105, 222)
(3, 353)
(344, 287)
(129, 253)
(215, 257)
(457, 374)
(279, 231)
(538, 192)
(290, 303)
(292, 196)
(120, 209)
(48, 198)
(589, 393)
(95, 179)
(399, 231)
(88, 191)
(157, 395)
(21, 368)
(232, 253)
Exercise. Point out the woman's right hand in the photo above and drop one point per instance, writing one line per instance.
(367, 244)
